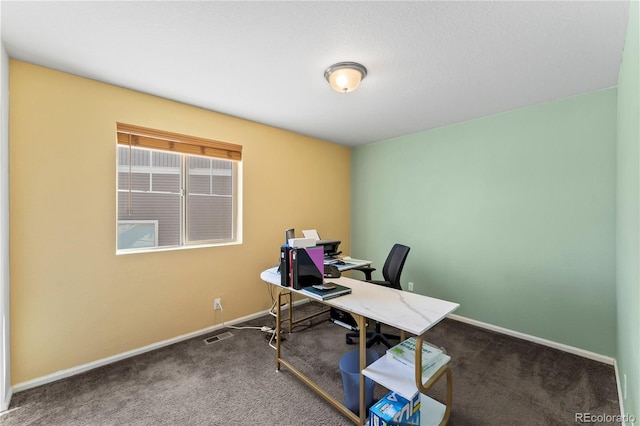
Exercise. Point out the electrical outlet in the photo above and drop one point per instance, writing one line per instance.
(217, 304)
(410, 286)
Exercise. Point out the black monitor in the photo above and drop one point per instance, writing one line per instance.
(289, 234)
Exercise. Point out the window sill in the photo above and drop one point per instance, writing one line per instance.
(174, 248)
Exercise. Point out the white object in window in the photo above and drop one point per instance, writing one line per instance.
(190, 199)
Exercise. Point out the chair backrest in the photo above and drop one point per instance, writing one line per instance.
(393, 265)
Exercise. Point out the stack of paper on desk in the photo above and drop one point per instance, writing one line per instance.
(352, 260)
(405, 354)
(311, 234)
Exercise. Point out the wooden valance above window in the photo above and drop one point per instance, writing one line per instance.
(142, 137)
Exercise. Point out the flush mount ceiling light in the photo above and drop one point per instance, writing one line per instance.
(345, 77)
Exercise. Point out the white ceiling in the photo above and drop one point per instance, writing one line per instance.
(430, 63)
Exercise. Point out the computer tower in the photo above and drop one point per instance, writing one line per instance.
(343, 319)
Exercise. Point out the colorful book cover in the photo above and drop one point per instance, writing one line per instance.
(317, 256)
(405, 353)
(307, 265)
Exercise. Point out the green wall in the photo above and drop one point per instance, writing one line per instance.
(512, 216)
(628, 217)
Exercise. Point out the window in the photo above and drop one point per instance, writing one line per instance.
(175, 190)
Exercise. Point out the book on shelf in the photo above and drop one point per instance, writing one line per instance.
(328, 293)
(404, 353)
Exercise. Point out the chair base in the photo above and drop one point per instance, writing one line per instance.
(373, 337)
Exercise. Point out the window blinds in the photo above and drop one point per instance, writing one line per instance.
(142, 137)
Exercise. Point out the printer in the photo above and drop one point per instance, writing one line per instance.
(330, 247)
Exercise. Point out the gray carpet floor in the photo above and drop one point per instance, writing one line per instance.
(498, 380)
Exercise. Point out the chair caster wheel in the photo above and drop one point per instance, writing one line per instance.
(349, 341)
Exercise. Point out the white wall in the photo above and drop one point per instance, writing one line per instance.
(5, 362)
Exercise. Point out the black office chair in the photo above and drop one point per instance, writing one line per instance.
(391, 273)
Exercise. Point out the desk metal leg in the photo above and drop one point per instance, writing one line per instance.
(362, 327)
(278, 328)
(290, 312)
(363, 362)
(426, 386)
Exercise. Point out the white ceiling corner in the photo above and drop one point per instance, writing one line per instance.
(430, 63)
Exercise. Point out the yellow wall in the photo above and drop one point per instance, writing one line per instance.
(73, 300)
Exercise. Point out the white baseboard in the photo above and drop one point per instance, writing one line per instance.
(7, 400)
(19, 387)
(628, 419)
(58, 375)
(620, 398)
(566, 348)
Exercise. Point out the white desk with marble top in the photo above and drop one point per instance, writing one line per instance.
(406, 311)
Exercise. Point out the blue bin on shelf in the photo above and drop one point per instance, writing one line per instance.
(350, 369)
